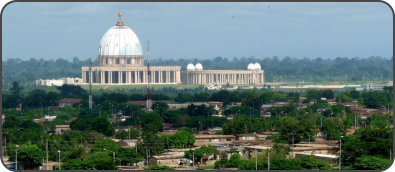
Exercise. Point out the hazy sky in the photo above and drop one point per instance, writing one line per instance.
(52, 30)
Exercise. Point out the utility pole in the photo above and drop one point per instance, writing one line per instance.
(268, 160)
(321, 120)
(256, 159)
(146, 152)
(149, 101)
(90, 84)
(193, 159)
(60, 168)
(293, 153)
(340, 157)
(16, 158)
(46, 149)
(5, 144)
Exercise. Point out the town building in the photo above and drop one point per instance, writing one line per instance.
(171, 159)
(68, 102)
(61, 129)
(58, 82)
(121, 61)
(202, 139)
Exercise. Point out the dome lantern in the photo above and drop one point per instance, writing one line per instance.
(120, 22)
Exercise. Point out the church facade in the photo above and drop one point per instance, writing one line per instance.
(121, 61)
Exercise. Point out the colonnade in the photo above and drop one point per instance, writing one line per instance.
(101, 76)
(223, 77)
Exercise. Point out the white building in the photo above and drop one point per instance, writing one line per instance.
(58, 82)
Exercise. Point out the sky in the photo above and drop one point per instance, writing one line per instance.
(52, 30)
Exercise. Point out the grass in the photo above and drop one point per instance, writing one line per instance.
(96, 89)
(209, 167)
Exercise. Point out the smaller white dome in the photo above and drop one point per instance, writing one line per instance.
(198, 66)
(257, 66)
(190, 66)
(251, 66)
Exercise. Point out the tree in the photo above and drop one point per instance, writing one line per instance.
(311, 163)
(160, 108)
(92, 136)
(75, 153)
(152, 123)
(182, 139)
(152, 144)
(64, 116)
(333, 128)
(377, 99)
(102, 125)
(367, 162)
(105, 144)
(99, 124)
(29, 156)
(67, 90)
(75, 164)
(367, 141)
(16, 89)
(243, 124)
(159, 167)
(343, 98)
(293, 131)
(379, 120)
(53, 98)
(201, 152)
(121, 135)
(101, 161)
(74, 137)
(128, 155)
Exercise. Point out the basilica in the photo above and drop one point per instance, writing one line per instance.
(121, 61)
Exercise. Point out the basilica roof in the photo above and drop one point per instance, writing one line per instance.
(120, 40)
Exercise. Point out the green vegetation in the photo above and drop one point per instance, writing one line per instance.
(88, 144)
(159, 167)
(276, 69)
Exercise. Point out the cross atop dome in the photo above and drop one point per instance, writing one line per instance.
(120, 22)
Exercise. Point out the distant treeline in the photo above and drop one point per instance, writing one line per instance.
(276, 69)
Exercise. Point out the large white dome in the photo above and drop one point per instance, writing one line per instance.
(120, 40)
(199, 66)
(251, 66)
(257, 66)
(190, 66)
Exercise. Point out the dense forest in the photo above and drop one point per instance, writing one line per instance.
(277, 69)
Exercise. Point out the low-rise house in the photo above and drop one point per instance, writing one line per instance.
(45, 118)
(177, 106)
(246, 137)
(171, 159)
(203, 139)
(61, 129)
(250, 151)
(68, 102)
(126, 128)
(127, 143)
(365, 112)
(280, 104)
(314, 149)
(144, 103)
(326, 157)
(218, 104)
(351, 104)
